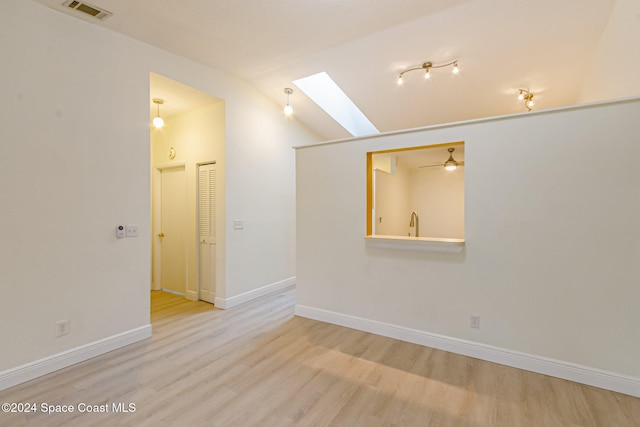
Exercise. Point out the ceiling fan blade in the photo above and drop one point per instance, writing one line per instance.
(438, 164)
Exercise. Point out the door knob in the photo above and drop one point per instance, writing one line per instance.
(160, 234)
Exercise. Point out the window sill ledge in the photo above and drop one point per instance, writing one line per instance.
(432, 244)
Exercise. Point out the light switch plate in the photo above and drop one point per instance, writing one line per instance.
(132, 230)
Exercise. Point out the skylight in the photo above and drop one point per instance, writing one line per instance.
(326, 93)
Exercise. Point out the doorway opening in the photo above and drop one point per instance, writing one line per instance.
(187, 190)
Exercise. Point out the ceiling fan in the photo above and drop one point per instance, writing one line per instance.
(449, 165)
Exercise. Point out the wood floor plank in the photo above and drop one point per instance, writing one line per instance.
(259, 365)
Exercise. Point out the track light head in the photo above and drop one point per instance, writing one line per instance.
(527, 96)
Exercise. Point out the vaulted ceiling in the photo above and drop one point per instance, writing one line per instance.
(545, 46)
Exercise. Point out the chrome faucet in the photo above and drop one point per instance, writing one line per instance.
(415, 222)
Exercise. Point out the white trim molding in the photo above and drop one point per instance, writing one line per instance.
(49, 364)
(225, 303)
(448, 125)
(529, 362)
(433, 244)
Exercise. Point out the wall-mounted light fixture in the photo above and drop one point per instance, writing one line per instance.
(288, 109)
(427, 66)
(451, 164)
(526, 96)
(157, 120)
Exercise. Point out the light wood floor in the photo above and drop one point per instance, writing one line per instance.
(258, 365)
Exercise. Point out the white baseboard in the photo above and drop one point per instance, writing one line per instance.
(225, 303)
(35, 369)
(180, 294)
(191, 296)
(529, 362)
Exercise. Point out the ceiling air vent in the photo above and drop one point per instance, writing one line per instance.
(85, 8)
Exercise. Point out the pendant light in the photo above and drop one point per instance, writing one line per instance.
(288, 109)
(158, 122)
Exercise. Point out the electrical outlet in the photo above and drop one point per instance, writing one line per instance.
(474, 321)
(62, 327)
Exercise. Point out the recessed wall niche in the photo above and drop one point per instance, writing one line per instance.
(410, 193)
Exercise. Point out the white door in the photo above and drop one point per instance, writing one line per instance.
(173, 254)
(207, 231)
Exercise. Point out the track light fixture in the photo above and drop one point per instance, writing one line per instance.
(157, 121)
(288, 110)
(526, 96)
(451, 164)
(427, 66)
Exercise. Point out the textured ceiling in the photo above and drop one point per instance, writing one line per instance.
(501, 45)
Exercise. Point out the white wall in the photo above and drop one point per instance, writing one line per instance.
(197, 137)
(551, 256)
(75, 141)
(74, 106)
(438, 198)
(614, 72)
(392, 201)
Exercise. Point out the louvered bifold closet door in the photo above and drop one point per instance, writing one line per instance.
(207, 190)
